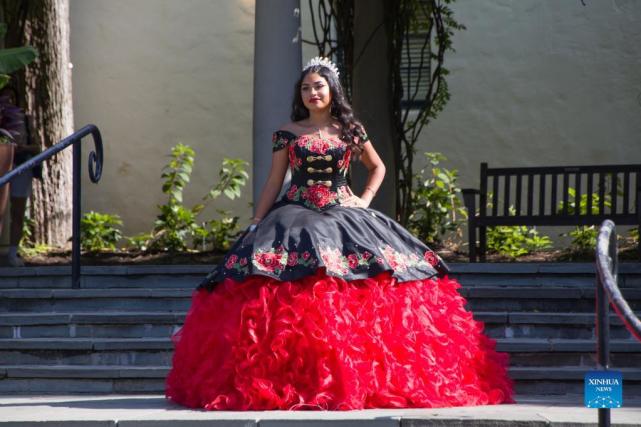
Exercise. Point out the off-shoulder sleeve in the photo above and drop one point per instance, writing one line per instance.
(280, 139)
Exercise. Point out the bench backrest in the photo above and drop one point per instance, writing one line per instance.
(550, 195)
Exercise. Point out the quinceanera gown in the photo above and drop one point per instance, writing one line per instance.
(331, 307)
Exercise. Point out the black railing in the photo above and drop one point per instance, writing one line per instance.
(607, 291)
(95, 171)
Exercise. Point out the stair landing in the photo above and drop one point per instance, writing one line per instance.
(154, 410)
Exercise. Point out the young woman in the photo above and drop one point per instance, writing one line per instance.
(324, 303)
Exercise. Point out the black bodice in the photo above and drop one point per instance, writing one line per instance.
(309, 229)
(319, 168)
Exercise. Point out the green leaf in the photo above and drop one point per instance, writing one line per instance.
(4, 80)
(16, 58)
(198, 208)
(184, 176)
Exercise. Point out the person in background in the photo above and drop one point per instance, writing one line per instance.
(20, 189)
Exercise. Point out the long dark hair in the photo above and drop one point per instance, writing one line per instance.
(340, 109)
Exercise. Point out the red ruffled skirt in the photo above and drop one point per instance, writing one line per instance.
(325, 343)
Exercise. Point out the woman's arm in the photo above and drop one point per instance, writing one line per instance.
(376, 173)
(273, 185)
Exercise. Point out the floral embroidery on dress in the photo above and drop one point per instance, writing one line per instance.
(234, 263)
(401, 262)
(318, 196)
(318, 145)
(431, 258)
(280, 140)
(295, 162)
(278, 259)
(336, 262)
(315, 197)
(343, 164)
(270, 260)
(305, 259)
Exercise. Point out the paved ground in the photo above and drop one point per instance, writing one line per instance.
(155, 411)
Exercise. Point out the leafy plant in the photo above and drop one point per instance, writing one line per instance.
(99, 231)
(436, 199)
(232, 177)
(28, 224)
(515, 240)
(13, 59)
(27, 246)
(35, 250)
(217, 233)
(583, 237)
(173, 227)
(634, 234)
(139, 242)
(177, 225)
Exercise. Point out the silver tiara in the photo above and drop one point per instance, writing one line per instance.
(324, 62)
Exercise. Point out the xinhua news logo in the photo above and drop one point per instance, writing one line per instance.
(603, 389)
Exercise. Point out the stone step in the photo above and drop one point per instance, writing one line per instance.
(566, 380)
(480, 298)
(547, 325)
(188, 276)
(539, 299)
(103, 277)
(90, 325)
(82, 300)
(153, 410)
(158, 351)
(150, 379)
(119, 324)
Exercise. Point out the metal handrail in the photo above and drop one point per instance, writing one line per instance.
(95, 172)
(607, 292)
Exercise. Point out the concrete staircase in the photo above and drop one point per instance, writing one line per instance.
(113, 334)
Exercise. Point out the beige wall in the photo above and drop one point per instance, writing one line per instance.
(533, 82)
(542, 82)
(152, 73)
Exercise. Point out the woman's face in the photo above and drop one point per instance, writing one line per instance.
(315, 93)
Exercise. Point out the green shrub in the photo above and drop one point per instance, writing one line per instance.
(438, 208)
(99, 231)
(176, 225)
(217, 233)
(583, 237)
(515, 240)
(139, 242)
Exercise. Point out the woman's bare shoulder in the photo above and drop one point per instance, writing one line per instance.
(290, 127)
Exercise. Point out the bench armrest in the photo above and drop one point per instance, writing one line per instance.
(469, 199)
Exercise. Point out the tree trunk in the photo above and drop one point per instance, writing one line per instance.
(45, 89)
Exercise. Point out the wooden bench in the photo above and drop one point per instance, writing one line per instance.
(535, 194)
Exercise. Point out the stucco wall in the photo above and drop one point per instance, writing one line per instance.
(533, 82)
(542, 82)
(152, 73)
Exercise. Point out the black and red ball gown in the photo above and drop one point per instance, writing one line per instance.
(324, 306)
